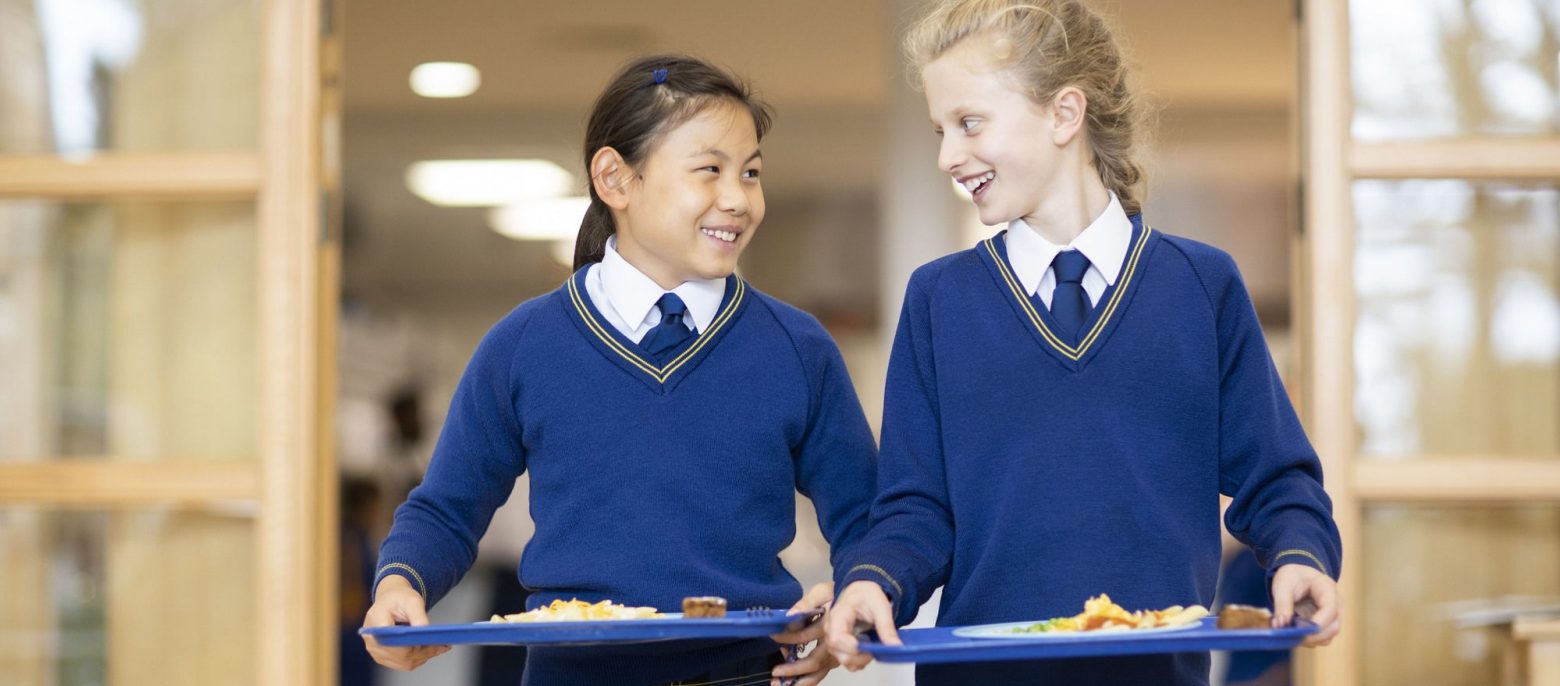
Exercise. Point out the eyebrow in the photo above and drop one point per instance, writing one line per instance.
(959, 112)
(757, 154)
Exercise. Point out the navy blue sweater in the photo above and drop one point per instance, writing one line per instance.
(1025, 473)
(649, 482)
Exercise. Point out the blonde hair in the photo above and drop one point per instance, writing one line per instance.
(1050, 45)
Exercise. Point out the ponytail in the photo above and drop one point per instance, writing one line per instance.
(591, 243)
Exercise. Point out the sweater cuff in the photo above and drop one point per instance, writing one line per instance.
(1290, 556)
(402, 570)
(1298, 538)
(889, 582)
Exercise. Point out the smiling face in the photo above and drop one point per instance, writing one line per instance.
(996, 142)
(695, 202)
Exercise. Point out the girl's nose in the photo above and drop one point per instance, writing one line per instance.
(733, 198)
(950, 155)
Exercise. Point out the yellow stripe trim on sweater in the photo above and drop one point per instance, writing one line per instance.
(899, 591)
(1034, 317)
(1296, 552)
(660, 374)
(422, 588)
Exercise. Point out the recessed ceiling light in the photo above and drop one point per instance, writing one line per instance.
(487, 183)
(445, 79)
(542, 219)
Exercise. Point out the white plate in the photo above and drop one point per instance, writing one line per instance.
(1006, 631)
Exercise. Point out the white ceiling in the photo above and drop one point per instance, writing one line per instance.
(543, 55)
(802, 53)
(825, 66)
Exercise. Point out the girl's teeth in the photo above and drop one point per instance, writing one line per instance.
(726, 236)
(976, 182)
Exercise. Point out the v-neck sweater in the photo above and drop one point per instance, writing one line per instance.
(649, 483)
(1025, 473)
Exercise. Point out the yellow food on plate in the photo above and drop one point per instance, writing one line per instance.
(579, 611)
(1101, 614)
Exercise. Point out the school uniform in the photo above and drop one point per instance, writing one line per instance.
(1030, 461)
(654, 476)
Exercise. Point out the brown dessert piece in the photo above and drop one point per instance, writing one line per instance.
(1245, 617)
(704, 606)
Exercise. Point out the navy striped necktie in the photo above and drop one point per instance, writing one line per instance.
(1069, 303)
(672, 331)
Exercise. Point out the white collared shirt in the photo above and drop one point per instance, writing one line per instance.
(1104, 242)
(626, 297)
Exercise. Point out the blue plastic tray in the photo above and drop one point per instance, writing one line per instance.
(941, 645)
(740, 624)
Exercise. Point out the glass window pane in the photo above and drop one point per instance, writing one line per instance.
(128, 330)
(1454, 68)
(85, 75)
(1457, 329)
(1433, 575)
(126, 598)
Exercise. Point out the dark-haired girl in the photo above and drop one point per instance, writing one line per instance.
(667, 411)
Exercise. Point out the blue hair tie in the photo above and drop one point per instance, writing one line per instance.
(660, 76)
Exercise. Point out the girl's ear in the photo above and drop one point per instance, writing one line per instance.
(609, 175)
(1069, 110)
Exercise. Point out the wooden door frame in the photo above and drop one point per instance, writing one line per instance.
(290, 488)
(299, 264)
(1324, 287)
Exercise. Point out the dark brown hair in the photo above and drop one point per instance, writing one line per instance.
(647, 98)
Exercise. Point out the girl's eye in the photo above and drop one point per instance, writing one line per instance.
(712, 168)
(968, 124)
(751, 174)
